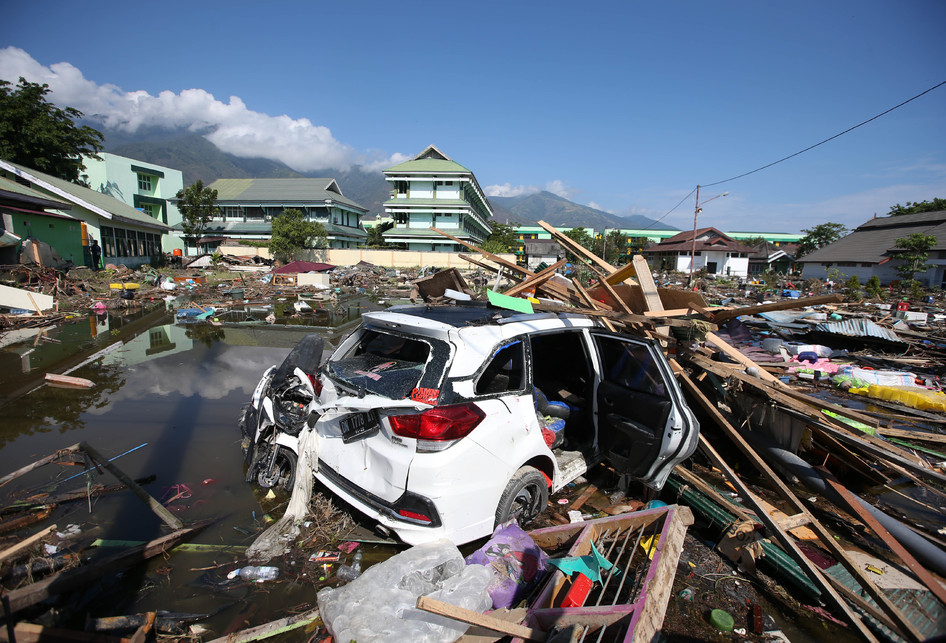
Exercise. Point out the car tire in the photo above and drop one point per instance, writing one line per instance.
(524, 498)
(284, 471)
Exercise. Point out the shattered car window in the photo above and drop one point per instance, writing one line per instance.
(382, 364)
(504, 372)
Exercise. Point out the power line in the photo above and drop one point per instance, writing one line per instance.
(656, 221)
(759, 169)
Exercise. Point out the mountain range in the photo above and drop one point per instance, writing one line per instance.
(199, 159)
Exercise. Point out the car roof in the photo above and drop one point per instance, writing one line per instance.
(475, 313)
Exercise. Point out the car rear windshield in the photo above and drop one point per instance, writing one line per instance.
(382, 364)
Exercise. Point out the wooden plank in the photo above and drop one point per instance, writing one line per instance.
(578, 249)
(725, 315)
(272, 628)
(591, 303)
(162, 512)
(39, 463)
(921, 572)
(553, 288)
(658, 588)
(620, 300)
(919, 436)
(724, 346)
(536, 280)
(826, 538)
(583, 498)
(646, 281)
(624, 273)
(67, 381)
(10, 552)
(464, 615)
(488, 255)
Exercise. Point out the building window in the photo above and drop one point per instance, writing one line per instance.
(149, 209)
(233, 214)
(401, 187)
(145, 183)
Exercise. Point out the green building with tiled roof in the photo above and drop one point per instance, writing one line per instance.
(434, 191)
(247, 208)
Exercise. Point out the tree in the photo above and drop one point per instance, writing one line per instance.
(198, 205)
(39, 135)
(612, 247)
(581, 237)
(376, 235)
(935, 205)
(818, 237)
(913, 251)
(293, 232)
(502, 239)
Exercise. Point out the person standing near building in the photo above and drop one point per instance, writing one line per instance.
(96, 251)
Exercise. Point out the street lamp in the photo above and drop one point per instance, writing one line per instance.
(696, 212)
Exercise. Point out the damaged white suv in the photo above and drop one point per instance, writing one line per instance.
(446, 421)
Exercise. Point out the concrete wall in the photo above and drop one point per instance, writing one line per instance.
(384, 258)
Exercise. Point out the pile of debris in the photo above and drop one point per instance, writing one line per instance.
(793, 393)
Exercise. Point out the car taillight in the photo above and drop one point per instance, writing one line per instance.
(413, 515)
(439, 423)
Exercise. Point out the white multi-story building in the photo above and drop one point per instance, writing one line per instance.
(433, 191)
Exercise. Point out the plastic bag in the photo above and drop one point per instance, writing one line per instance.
(518, 564)
(380, 605)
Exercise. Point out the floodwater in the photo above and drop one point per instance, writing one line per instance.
(165, 404)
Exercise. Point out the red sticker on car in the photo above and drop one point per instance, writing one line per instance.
(425, 395)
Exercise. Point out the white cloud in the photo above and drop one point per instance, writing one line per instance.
(506, 189)
(231, 126)
(511, 190)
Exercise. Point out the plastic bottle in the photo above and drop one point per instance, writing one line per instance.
(254, 573)
(356, 561)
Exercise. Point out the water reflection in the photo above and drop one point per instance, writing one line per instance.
(178, 390)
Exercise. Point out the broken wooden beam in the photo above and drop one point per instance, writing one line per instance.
(854, 505)
(67, 381)
(273, 628)
(825, 537)
(722, 316)
(162, 512)
(471, 617)
(579, 250)
(11, 552)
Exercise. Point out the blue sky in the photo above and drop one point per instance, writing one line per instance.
(625, 106)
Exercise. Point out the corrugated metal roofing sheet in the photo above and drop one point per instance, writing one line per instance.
(858, 327)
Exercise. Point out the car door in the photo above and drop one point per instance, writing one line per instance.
(644, 426)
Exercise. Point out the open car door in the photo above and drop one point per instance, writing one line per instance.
(645, 427)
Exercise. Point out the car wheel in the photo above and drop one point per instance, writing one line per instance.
(524, 498)
(283, 473)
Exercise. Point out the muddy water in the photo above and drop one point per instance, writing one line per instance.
(168, 398)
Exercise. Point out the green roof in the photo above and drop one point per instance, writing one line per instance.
(289, 192)
(32, 196)
(82, 195)
(428, 166)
